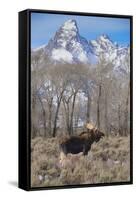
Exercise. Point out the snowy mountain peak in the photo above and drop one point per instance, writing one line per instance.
(67, 32)
(67, 46)
(70, 25)
(111, 52)
(102, 43)
(104, 37)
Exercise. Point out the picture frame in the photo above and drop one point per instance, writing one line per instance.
(41, 165)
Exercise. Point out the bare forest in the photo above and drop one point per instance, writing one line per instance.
(65, 97)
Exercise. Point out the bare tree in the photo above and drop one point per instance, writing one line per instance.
(60, 81)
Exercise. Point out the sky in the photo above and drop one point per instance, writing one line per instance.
(44, 26)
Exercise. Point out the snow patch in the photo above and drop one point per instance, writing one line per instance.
(62, 54)
(70, 25)
(82, 57)
(38, 48)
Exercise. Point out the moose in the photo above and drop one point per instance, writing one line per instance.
(81, 143)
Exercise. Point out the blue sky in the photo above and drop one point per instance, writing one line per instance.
(44, 26)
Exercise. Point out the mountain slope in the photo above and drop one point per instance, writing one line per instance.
(112, 52)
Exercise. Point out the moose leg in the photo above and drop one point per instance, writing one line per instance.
(85, 153)
(63, 148)
(86, 149)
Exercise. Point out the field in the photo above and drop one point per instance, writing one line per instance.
(108, 161)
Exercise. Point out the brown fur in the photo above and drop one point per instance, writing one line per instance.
(81, 143)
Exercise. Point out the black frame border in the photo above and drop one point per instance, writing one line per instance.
(25, 99)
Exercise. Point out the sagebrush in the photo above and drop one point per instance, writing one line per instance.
(107, 162)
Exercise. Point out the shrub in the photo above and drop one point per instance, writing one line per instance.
(108, 161)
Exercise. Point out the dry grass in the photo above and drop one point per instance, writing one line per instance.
(108, 161)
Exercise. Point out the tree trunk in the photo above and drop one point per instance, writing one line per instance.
(50, 116)
(88, 108)
(126, 119)
(126, 114)
(98, 107)
(66, 108)
(34, 129)
(44, 122)
(43, 114)
(56, 116)
(119, 121)
(106, 115)
(72, 113)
